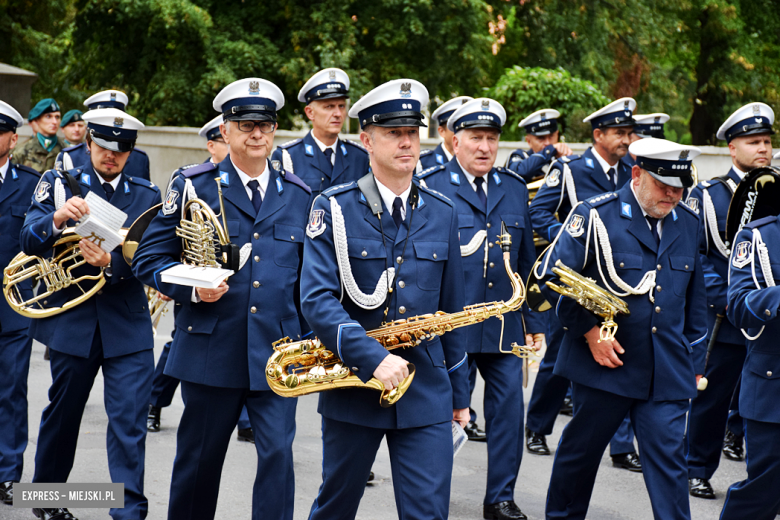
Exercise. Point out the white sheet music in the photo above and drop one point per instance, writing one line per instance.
(111, 216)
(101, 226)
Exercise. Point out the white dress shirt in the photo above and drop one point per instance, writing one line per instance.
(606, 167)
(388, 197)
(323, 146)
(262, 180)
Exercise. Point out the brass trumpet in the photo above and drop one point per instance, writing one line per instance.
(307, 366)
(597, 300)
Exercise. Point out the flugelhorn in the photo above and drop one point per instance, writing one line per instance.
(307, 366)
(587, 293)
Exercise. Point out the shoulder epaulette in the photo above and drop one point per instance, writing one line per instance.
(139, 151)
(602, 199)
(685, 206)
(339, 188)
(141, 182)
(71, 148)
(760, 222)
(428, 171)
(355, 144)
(294, 179)
(510, 173)
(200, 168)
(437, 195)
(26, 169)
(290, 143)
(569, 158)
(427, 151)
(188, 166)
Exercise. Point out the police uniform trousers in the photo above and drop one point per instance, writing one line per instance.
(659, 427)
(735, 423)
(421, 461)
(126, 391)
(758, 497)
(503, 422)
(710, 410)
(549, 389)
(209, 418)
(164, 386)
(15, 348)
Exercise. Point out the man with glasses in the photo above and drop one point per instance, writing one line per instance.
(224, 335)
(321, 158)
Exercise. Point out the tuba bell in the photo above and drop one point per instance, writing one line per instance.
(307, 366)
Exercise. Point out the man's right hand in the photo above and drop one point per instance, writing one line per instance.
(391, 371)
(605, 353)
(562, 149)
(74, 208)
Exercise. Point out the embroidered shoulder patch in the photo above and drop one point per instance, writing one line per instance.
(316, 225)
(170, 204)
(553, 178)
(693, 203)
(575, 226)
(42, 193)
(743, 254)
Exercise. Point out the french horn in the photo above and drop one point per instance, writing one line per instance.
(307, 366)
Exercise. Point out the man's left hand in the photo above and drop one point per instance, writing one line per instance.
(93, 254)
(461, 416)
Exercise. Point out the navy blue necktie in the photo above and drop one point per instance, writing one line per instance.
(257, 200)
(654, 229)
(397, 218)
(328, 155)
(109, 190)
(613, 178)
(480, 192)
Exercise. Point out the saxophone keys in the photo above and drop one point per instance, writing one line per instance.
(292, 381)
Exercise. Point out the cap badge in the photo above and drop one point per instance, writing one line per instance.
(254, 87)
(625, 105)
(756, 109)
(657, 119)
(684, 155)
(485, 104)
(113, 96)
(119, 121)
(406, 90)
(759, 120)
(543, 116)
(54, 106)
(332, 74)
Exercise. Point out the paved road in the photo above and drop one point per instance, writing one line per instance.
(618, 494)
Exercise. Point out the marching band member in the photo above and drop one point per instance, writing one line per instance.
(110, 332)
(443, 153)
(16, 190)
(568, 181)
(748, 132)
(77, 155)
(641, 245)
(753, 302)
(322, 159)
(484, 197)
(647, 125)
(386, 228)
(224, 335)
(543, 137)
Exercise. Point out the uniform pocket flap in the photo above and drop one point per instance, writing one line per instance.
(365, 248)
(19, 211)
(515, 221)
(288, 233)
(627, 260)
(291, 328)
(765, 364)
(435, 251)
(465, 220)
(196, 322)
(234, 227)
(681, 263)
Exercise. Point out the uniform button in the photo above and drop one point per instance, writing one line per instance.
(657, 309)
(768, 312)
(658, 288)
(255, 284)
(566, 328)
(399, 260)
(257, 258)
(364, 254)
(100, 292)
(189, 329)
(654, 330)
(658, 267)
(401, 284)
(686, 267)
(768, 373)
(434, 256)
(402, 309)
(488, 225)
(490, 244)
(292, 237)
(253, 310)
(256, 235)
(622, 264)
(355, 369)
(492, 264)
(44, 233)
(490, 285)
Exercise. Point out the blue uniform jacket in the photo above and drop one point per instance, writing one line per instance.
(715, 265)
(553, 197)
(431, 158)
(530, 166)
(137, 162)
(663, 341)
(15, 195)
(120, 308)
(507, 200)
(754, 308)
(429, 279)
(227, 343)
(311, 165)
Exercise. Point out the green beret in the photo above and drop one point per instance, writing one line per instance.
(44, 106)
(71, 116)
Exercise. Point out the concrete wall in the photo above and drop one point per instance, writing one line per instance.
(171, 147)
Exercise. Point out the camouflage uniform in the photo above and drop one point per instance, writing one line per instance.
(33, 155)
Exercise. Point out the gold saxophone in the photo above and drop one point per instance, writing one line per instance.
(304, 367)
(597, 300)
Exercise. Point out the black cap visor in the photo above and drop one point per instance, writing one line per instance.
(110, 143)
(395, 119)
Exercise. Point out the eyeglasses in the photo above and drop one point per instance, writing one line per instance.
(265, 127)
